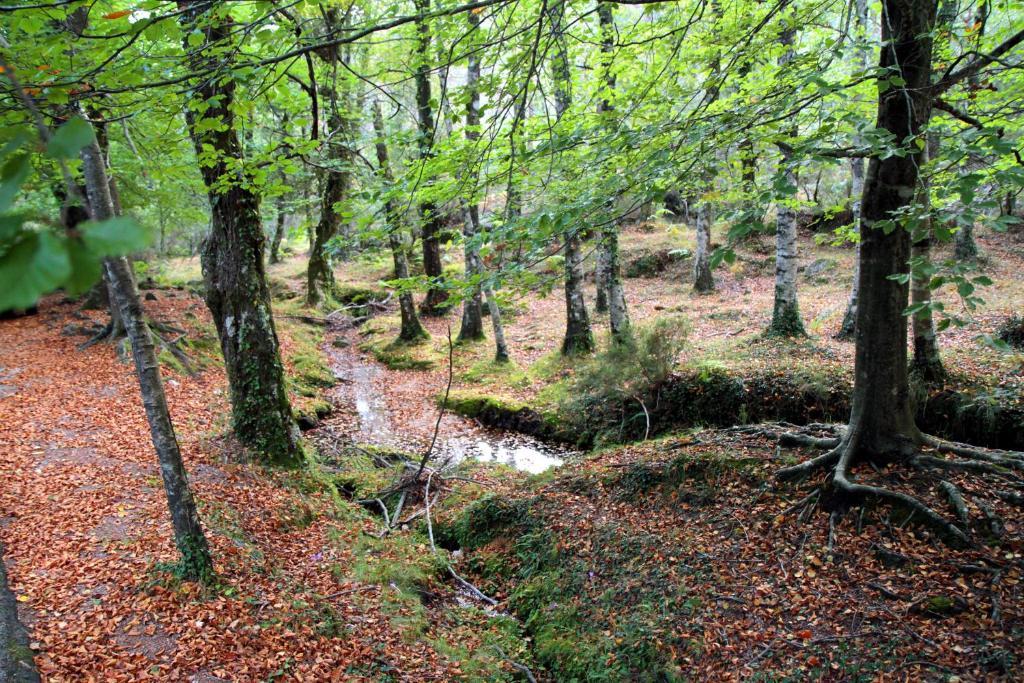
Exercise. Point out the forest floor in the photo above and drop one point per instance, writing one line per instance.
(672, 557)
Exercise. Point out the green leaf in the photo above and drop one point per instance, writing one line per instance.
(37, 264)
(115, 236)
(13, 174)
(86, 268)
(70, 138)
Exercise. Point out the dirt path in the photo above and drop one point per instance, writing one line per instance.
(85, 526)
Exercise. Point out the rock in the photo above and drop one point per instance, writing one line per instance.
(307, 422)
(341, 343)
(150, 296)
(815, 269)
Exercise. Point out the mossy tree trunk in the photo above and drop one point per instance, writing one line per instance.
(472, 326)
(786, 309)
(578, 336)
(411, 329)
(608, 246)
(279, 229)
(196, 563)
(236, 290)
(431, 218)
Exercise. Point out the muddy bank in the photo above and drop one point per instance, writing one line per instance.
(719, 398)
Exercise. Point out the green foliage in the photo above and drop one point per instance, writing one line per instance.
(34, 259)
(628, 371)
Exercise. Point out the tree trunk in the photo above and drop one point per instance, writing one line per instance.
(472, 327)
(786, 310)
(882, 415)
(275, 242)
(926, 364)
(411, 330)
(965, 249)
(578, 336)
(703, 281)
(500, 347)
(196, 563)
(431, 219)
(847, 327)
(610, 282)
(320, 282)
(236, 288)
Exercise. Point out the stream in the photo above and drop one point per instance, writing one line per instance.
(391, 409)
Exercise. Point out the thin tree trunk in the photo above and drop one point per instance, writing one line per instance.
(196, 563)
(703, 281)
(847, 327)
(236, 288)
(786, 310)
(578, 336)
(411, 330)
(926, 363)
(472, 327)
(500, 346)
(275, 242)
(320, 282)
(610, 282)
(431, 219)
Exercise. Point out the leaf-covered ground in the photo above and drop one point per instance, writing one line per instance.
(85, 528)
(679, 560)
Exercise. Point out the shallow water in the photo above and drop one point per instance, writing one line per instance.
(366, 385)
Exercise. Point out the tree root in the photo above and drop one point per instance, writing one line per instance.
(841, 481)
(113, 334)
(975, 460)
(1010, 459)
(956, 501)
(795, 439)
(809, 466)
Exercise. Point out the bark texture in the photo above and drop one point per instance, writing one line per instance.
(236, 290)
(703, 280)
(279, 228)
(500, 346)
(196, 563)
(848, 326)
(337, 181)
(926, 364)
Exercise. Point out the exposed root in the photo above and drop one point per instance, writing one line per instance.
(956, 501)
(1011, 459)
(962, 465)
(795, 439)
(842, 483)
(803, 469)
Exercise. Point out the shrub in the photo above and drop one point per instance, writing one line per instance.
(1012, 331)
(615, 388)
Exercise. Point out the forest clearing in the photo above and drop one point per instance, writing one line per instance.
(630, 340)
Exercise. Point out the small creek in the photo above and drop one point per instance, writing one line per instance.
(394, 409)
